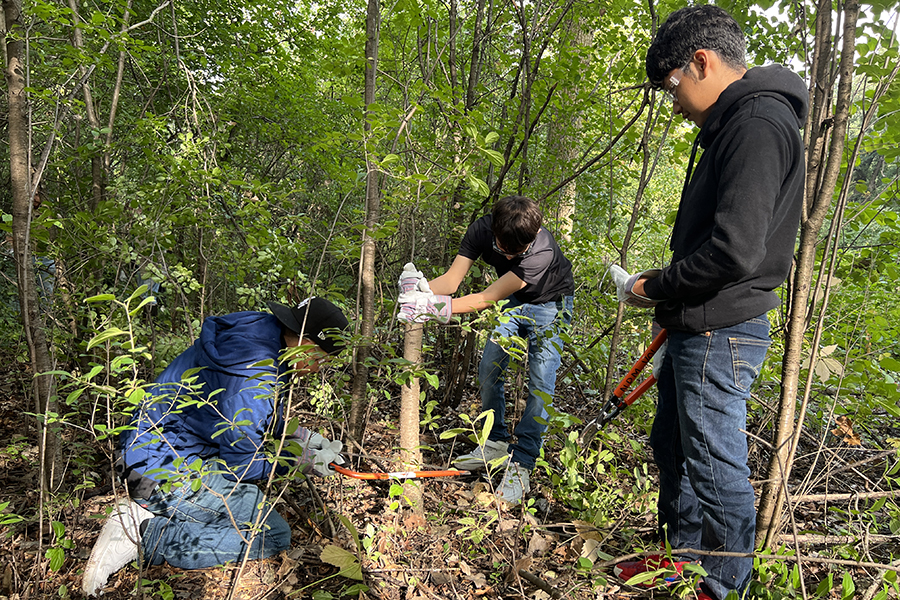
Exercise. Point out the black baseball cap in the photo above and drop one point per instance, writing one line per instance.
(317, 318)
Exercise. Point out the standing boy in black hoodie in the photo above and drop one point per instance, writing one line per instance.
(732, 244)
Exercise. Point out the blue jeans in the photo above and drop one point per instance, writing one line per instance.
(705, 498)
(209, 527)
(540, 324)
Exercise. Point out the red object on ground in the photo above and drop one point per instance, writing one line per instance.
(654, 562)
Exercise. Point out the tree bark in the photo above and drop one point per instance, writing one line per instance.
(410, 452)
(97, 171)
(565, 129)
(367, 261)
(44, 387)
(821, 181)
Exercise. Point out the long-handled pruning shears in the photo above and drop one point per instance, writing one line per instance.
(618, 401)
(398, 474)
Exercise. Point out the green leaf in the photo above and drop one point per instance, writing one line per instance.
(848, 588)
(825, 586)
(345, 561)
(104, 336)
(57, 557)
(890, 364)
(488, 416)
(59, 529)
(432, 380)
(477, 185)
(450, 433)
(495, 157)
(355, 589)
(141, 289)
(349, 525)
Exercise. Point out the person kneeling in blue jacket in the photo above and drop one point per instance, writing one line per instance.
(205, 431)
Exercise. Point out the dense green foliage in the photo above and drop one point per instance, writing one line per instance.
(233, 168)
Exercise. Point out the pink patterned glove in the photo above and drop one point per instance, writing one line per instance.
(412, 280)
(437, 308)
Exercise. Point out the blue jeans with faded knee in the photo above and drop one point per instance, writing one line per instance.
(540, 324)
(706, 501)
(212, 525)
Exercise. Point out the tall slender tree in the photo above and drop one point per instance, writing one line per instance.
(825, 133)
(23, 201)
(373, 214)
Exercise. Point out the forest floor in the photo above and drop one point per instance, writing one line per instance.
(465, 545)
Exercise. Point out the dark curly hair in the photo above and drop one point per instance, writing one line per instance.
(690, 29)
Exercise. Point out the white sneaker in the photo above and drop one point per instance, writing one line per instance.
(515, 484)
(116, 546)
(480, 457)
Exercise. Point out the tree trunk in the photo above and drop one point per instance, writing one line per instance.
(44, 387)
(367, 261)
(97, 173)
(475, 65)
(565, 129)
(410, 453)
(821, 181)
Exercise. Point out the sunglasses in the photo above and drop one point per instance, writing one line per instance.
(509, 255)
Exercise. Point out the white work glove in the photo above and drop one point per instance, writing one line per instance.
(427, 308)
(625, 286)
(413, 285)
(321, 458)
(318, 452)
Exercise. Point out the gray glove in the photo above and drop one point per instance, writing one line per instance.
(321, 458)
(625, 286)
(318, 452)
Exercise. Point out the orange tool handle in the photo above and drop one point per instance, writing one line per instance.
(398, 474)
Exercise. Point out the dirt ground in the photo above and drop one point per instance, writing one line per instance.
(466, 546)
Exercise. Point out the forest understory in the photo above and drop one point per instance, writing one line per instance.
(467, 546)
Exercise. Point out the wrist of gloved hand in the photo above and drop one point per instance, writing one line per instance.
(625, 286)
(436, 308)
(307, 438)
(621, 279)
(635, 299)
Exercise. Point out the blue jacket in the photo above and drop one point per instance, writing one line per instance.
(225, 414)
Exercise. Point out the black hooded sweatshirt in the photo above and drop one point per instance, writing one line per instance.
(734, 235)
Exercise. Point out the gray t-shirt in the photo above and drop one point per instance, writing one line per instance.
(547, 273)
